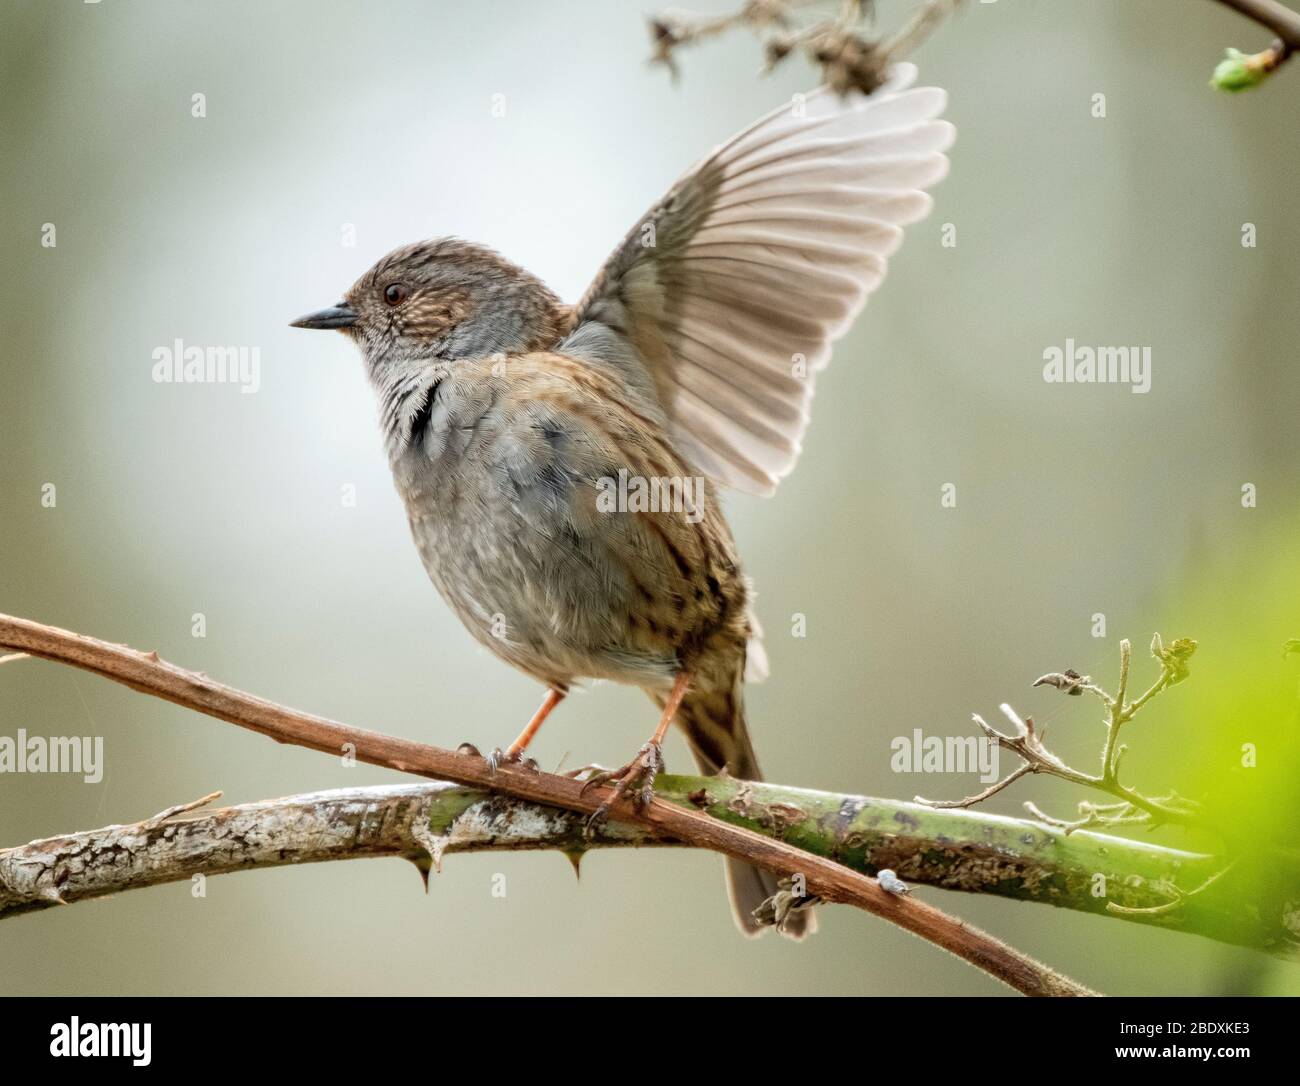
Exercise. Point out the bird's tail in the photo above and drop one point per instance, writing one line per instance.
(714, 723)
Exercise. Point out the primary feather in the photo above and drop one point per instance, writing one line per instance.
(734, 287)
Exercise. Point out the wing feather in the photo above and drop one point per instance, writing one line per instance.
(735, 286)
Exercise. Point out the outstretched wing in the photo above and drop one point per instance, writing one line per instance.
(733, 288)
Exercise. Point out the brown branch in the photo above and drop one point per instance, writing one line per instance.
(1271, 15)
(832, 882)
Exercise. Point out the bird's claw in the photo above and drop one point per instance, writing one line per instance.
(500, 757)
(637, 777)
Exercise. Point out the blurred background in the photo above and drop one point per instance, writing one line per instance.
(539, 129)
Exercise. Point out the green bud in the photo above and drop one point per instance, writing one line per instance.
(1240, 71)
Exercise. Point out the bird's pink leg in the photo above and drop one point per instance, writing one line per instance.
(552, 699)
(515, 752)
(649, 760)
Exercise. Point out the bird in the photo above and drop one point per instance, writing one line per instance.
(562, 465)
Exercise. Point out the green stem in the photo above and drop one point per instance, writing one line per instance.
(982, 853)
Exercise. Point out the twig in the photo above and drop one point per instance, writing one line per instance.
(849, 55)
(852, 58)
(979, 797)
(1134, 809)
(1271, 15)
(1028, 745)
(1240, 71)
(826, 879)
(1179, 899)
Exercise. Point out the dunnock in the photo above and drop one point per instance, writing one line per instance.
(552, 457)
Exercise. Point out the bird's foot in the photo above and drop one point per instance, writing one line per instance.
(636, 778)
(499, 757)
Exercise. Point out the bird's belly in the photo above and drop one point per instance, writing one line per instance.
(555, 611)
(501, 491)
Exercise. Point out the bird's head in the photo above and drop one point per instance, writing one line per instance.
(443, 300)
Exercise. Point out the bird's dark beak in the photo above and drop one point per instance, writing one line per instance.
(336, 316)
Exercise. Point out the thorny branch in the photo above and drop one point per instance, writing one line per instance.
(853, 56)
(824, 878)
(967, 851)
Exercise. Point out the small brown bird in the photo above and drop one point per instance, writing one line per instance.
(558, 463)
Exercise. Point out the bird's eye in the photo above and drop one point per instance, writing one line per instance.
(395, 293)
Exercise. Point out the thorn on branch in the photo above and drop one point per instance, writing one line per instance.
(180, 808)
(574, 856)
(434, 844)
(423, 865)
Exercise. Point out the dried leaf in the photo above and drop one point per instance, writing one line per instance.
(1068, 681)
